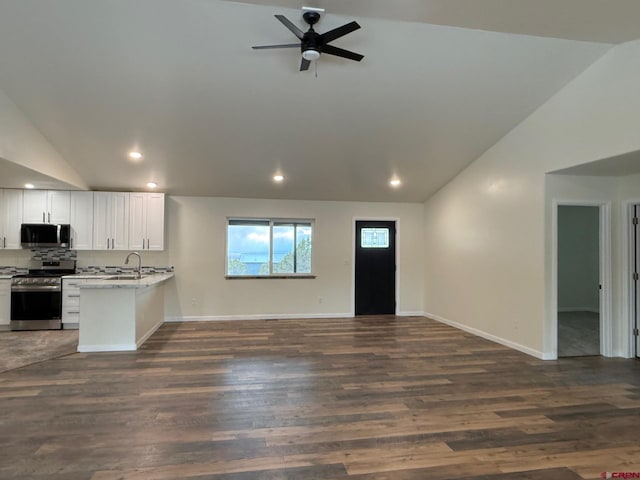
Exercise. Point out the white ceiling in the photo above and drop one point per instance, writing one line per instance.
(178, 80)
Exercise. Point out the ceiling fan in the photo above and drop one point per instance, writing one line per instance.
(312, 43)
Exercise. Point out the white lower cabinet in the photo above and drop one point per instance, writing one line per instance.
(5, 301)
(71, 302)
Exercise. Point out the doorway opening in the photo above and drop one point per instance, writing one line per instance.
(375, 267)
(579, 281)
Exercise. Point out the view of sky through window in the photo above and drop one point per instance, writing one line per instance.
(249, 247)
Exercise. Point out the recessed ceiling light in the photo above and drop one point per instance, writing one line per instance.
(152, 185)
(135, 155)
(29, 185)
(395, 182)
(278, 178)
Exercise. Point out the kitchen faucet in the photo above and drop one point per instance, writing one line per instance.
(139, 272)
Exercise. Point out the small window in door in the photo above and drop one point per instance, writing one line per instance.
(374, 238)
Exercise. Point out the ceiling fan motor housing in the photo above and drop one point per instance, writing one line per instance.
(311, 40)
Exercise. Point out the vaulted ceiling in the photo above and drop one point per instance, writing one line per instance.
(441, 81)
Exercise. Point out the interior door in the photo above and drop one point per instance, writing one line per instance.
(375, 268)
(635, 265)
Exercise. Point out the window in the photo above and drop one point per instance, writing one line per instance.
(268, 247)
(374, 238)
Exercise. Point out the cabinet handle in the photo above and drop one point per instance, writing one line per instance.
(107, 244)
(113, 244)
(4, 243)
(73, 296)
(71, 242)
(42, 217)
(49, 217)
(143, 243)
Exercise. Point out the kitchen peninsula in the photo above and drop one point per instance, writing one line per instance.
(119, 313)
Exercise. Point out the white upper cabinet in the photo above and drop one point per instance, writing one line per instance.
(110, 220)
(146, 227)
(81, 220)
(46, 206)
(10, 218)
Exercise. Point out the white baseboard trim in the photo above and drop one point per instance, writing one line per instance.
(490, 337)
(578, 309)
(125, 347)
(410, 314)
(284, 316)
(148, 334)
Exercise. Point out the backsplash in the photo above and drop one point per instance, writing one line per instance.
(53, 254)
(111, 270)
(13, 270)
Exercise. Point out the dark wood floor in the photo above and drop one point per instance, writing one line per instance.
(370, 398)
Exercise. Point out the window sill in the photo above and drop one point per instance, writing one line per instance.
(269, 277)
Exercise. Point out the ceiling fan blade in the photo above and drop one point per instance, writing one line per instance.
(340, 52)
(286, 45)
(287, 23)
(304, 65)
(339, 32)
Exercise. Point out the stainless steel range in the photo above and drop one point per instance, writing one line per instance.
(36, 298)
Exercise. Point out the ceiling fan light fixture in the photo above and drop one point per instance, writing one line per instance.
(311, 55)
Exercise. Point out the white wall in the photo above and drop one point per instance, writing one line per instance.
(196, 247)
(22, 143)
(488, 232)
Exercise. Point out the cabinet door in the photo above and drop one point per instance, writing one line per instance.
(102, 220)
(155, 221)
(146, 226)
(138, 221)
(11, 218)
(81, 220)
(120, 221)
(35, 206)
(58, 203)
(5, 301)
(71, 302)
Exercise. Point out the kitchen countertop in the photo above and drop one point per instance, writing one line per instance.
(103, 281)
(4, 276)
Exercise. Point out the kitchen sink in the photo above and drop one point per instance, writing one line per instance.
(124, 277)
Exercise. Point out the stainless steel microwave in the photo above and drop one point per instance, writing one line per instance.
(45, 235)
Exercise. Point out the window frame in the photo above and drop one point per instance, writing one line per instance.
(272, 221)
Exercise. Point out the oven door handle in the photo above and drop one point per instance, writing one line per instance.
(43, 288)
